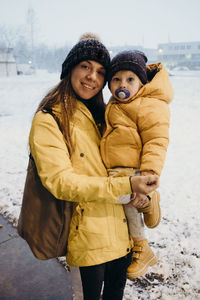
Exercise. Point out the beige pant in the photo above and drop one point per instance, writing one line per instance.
(135, 219)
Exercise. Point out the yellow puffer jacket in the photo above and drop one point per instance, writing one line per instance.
(137, 132)
(98, 230)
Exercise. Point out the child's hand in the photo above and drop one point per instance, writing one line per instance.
(144, 184)
(138, 200)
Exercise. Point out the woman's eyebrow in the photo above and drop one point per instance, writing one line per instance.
(91, 63)
(102, 68)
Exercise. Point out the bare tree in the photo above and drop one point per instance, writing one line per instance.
(23, 41)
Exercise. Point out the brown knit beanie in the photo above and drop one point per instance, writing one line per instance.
(134, 61)
(88, 48)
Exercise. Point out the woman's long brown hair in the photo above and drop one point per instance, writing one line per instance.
(64, 95)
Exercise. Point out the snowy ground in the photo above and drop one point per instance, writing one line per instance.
(176, 241)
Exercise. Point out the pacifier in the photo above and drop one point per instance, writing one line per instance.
(122, 93)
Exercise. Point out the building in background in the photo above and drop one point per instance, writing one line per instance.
(180, 55)
(7, 62)
(184, 55)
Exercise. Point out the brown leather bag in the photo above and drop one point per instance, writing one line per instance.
(44, 220)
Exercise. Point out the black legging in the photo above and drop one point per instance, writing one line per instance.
(112, 273)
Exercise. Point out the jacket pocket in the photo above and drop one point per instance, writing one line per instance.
(121, 224)
(88, 232)
(87, 240)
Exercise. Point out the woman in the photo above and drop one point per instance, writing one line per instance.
(70, 167)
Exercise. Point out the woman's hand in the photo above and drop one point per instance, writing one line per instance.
(144, 184)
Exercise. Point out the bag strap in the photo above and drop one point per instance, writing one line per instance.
(49, 111)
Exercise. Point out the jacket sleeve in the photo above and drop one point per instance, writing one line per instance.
(54, 167)
(153, 124)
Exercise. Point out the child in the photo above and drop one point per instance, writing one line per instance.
(136, 138)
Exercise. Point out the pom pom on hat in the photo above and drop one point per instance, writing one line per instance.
(88, 48)
(134, 61)
(89, 35)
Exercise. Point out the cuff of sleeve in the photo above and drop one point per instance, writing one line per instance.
(121, 186)
(124, 199)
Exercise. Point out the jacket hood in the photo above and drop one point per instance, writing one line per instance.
(159, 85)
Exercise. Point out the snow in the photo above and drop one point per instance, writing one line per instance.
(176, 240)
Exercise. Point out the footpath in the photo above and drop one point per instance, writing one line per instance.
(23, 277)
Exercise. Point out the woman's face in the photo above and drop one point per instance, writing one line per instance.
(87, 78)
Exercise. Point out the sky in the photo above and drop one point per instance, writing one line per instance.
(127, 22)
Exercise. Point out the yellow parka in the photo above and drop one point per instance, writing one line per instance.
(98, 230)
(137, 132)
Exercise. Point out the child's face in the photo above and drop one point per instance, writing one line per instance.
(125, 80)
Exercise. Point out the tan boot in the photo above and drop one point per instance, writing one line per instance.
(152, 212)
(143, 258)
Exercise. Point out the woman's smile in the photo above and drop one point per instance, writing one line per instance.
(88, 86)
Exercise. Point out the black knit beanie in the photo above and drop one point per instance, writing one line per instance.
(134, 61)
(86, 49)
